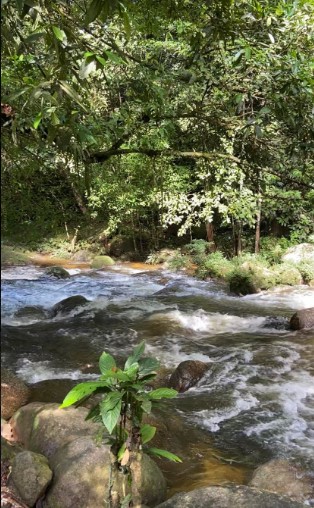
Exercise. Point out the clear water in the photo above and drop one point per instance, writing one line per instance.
(256, 401)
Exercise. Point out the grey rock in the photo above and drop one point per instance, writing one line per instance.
(302, 319)
(187, 374)
(281, 477)
(58, 272)
(31, 476)
(228, 497)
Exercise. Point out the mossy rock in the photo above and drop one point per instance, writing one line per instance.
(242, 283)
(287, 275)
(58, 272)
(102, 261)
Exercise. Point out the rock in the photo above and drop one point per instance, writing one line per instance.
(44, 428)
(80, 463)
(299, 253)
(225, 497)
(14, 393)
(58, 272)
(68, 304)
(187, 374)
(30, 475)
(82, 256)
(282, 478)
(302, 319)
(102, 261)
(242, 283)
(9, 450)
(31, 312)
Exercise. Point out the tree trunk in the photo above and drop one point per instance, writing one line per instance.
(77, 196)
(258, 225)
(210, 231)
(238, 238)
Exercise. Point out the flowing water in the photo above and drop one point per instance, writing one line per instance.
(255, 403)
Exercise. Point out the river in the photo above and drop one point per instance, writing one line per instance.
(255, 403)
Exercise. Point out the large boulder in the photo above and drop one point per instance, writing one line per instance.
(58, 272)
(299, 253)
(14, 393)
(101, 262)
(227, 497)
(302, 319)
(77, 456)
(68, 305)
(30, 475)
(282, 478)
(187, 374)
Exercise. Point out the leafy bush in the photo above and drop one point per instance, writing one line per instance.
(307, 271)
(179, 261)
(242, 282)
(272, 248)
(214, 265)
(287, 274)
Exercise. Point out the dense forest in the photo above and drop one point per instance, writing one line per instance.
(158, 121)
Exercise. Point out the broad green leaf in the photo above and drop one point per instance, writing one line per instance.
(101, 60)
(37, 120)
(126, 25)
(93, 10)
(146, 406)
(148, 366)
(88, 53)
(110, 410)
(132, 371)
(114, 57)
(59, 34)
(147, 432)
(162, 393)
(82, 390)
(94, 414)
(271, 38)
(55, 120)
(136, 355)
(163, 453)
(106, 362)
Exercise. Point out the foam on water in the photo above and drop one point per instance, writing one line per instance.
(33, 372)
(213, 323)
(297, 297)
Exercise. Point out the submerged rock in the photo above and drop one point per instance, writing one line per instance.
(280, 477)
(302, 319)
(68, 304)
(58, 272)
(14, 393)
(30, 475)
(242, 284)
(187, 374)
(31, 312)
(228, 497)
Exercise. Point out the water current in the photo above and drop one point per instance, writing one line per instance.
(255, 403)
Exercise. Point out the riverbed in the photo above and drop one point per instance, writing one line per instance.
(255, 403)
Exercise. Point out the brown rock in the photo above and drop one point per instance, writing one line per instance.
(14, 393)
(187, 374)
(302, 319)
(280, 477)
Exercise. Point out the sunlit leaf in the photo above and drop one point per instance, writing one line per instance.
(106, 362)
(147, 432)
(162, 393)
(37, 120)
(72, 93)
(163, 453)
(110, 410)
(136, 355)
(82, 390)
(59, 34)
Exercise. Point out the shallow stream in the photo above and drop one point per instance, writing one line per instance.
(256, 401)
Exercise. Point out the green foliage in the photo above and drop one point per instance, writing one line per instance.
(214, 265)
(287, 274)
(272, 248)
(180, 261)
(125, 401)
(307, 271)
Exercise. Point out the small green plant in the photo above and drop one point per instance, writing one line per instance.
(126, 399)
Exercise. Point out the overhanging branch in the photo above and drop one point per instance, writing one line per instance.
(105, 155)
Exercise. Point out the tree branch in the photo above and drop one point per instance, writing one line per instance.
(105, 155)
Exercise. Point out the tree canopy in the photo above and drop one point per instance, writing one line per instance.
(158, 116)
